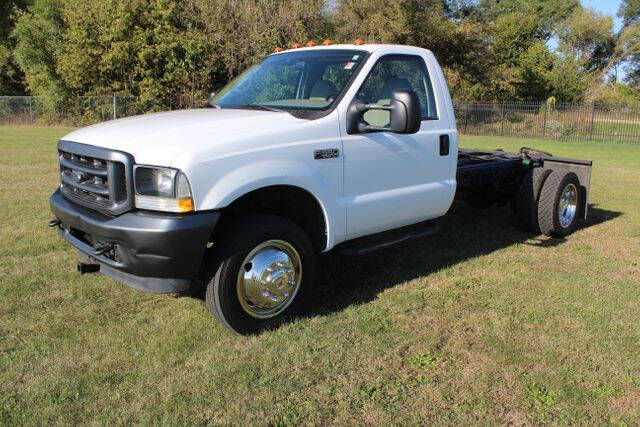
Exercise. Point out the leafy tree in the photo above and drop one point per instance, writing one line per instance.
(568, 81)
(629, 40)
(534, 73)
(38, 33)
(519, 59)
(513, 34)
(146, 48)
(241, 32)
(11, 78)
(630, 45)
(459, 9)
(547, 13)
(588, 37)
(630, 12)
(618, 94)
(170, 53)
(461, 45)
(376, 21)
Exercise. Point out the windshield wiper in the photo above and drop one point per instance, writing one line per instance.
(259, 107)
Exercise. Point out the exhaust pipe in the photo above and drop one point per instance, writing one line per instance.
(84, 268)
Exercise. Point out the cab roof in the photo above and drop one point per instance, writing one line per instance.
(386, 48)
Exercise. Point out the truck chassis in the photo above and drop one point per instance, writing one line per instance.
(495, 178)
(487, 178)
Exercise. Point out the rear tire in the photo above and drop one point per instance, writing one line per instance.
(259, 274)
(559, 205)
(527, 199)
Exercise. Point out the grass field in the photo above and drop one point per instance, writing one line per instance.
(480, 323)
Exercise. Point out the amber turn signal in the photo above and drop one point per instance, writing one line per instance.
(185, 204)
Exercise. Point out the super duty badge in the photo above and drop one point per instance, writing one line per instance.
(330, 153)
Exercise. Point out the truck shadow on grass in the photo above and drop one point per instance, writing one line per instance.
(465, 233)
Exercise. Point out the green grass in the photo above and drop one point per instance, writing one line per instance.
(480, 323)
(626, 131)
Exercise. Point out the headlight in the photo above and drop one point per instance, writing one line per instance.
(162, 189)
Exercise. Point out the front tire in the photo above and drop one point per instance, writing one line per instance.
(260, 274)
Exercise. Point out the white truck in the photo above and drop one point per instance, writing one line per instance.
(339, 147)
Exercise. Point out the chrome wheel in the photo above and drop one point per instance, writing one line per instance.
(568, 205)
(269, 279)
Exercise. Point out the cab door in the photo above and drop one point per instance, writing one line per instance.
(392, 180)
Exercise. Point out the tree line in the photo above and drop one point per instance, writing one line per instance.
(171, 53)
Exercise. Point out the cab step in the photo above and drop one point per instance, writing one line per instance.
(364, 245)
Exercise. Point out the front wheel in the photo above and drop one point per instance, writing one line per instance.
(260, 273)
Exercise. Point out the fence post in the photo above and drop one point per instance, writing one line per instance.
(115, 106)
(544, 121)
(502, 118)
(466, 117)
(30, 108)
(593, 113)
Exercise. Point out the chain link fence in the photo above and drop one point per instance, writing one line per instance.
(570, 122)
(559, 121)
(84, 110)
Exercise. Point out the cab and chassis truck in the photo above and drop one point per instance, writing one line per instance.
(344, 147)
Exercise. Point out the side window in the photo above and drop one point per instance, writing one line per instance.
(393, 73)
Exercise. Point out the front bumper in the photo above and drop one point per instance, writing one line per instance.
(152, 252)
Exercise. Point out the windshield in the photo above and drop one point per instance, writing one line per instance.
(303, 80)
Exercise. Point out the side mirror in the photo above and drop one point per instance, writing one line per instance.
(404, 114)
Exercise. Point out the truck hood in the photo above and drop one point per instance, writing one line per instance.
(159, 138)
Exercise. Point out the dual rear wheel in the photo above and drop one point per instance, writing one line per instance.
(549, 202)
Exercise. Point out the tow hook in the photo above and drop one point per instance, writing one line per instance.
(84, 268)
(54, 222)
(102, 249)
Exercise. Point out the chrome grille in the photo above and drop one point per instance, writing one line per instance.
(94, 177)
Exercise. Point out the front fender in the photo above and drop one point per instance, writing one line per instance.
(242, 180)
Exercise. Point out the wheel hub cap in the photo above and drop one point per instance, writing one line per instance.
(568, 205)
(269, 279)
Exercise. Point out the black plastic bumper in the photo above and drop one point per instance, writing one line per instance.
(159, 253)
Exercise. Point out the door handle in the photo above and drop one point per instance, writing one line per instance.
(444, 145)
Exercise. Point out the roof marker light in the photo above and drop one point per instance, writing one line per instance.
(278, 49)
(358, 42)
(311, 43)
(296, 46)
(327, 42)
